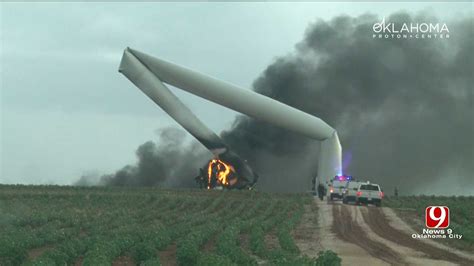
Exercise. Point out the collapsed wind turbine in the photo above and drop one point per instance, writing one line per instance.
(227, 169)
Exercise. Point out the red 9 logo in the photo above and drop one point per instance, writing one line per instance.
(437, 217)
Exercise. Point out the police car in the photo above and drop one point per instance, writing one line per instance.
(337, 186)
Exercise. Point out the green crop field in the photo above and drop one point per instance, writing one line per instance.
(50, 225)
(412, 210)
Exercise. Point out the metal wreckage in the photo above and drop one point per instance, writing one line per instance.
(226, 169)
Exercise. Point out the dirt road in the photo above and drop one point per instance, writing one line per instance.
(367, 235)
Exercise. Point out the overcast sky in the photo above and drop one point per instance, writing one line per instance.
(66, 111)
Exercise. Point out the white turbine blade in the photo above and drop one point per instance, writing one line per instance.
(149, 84)
(244, 101)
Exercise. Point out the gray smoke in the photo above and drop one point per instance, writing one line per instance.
(168, 162)
(403, 107)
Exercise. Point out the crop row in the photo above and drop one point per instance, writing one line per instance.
(96, 226)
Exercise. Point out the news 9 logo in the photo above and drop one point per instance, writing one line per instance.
(437, 217)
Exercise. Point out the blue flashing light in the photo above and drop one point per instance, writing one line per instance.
(343, 178)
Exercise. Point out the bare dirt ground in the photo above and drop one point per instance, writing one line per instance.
(36, 252)
(123, 261)
(367, 235)
(168, 256)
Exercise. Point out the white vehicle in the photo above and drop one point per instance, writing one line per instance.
(369, 193)
(337, 186)
(350, 192)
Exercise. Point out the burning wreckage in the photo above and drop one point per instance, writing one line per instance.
(226, 169)
(220, 173)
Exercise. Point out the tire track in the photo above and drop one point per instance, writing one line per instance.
(380, 225)
(347, 229)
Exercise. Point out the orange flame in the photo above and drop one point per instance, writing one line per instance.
(222, 172)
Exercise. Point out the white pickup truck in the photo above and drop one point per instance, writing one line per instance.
(369, 193)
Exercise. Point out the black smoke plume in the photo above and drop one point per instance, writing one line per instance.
(403, 109)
